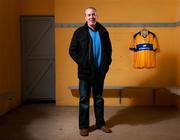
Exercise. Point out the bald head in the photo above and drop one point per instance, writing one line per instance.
(92, 8)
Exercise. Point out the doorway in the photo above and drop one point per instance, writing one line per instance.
(38, 58)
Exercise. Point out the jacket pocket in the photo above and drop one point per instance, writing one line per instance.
(84, 70)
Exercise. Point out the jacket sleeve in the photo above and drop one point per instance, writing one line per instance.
(73, 49)
(109, 49)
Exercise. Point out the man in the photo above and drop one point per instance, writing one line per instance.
(91, 49)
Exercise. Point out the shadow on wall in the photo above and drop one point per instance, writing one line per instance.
(158, 93)
(165, 75)
(108, 93)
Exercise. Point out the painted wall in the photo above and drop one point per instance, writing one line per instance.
(178, 9)
(36, 7)
(10, 60)
(121, 71)
(178, 42)
(9, 56)
(117, 10)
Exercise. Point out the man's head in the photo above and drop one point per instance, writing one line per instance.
(91, 16)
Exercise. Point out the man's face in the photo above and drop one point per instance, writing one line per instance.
(90, 17)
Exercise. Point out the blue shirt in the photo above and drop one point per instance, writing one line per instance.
(96, 46)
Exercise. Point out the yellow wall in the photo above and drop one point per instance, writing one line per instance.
(10, 60)
(117, 10)
(121, 71)
(9, 55)
(178, 42)
(178, 9)
(36, 7)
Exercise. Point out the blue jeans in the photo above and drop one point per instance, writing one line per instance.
(97, 91)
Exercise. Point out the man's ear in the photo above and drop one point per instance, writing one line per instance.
(85, 18)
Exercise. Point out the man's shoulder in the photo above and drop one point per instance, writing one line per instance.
(101, 28)
(80, 29)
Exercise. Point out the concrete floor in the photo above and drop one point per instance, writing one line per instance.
(48, 122)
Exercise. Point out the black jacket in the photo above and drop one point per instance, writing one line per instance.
(81, 52)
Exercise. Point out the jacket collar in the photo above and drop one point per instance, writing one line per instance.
(99, 27)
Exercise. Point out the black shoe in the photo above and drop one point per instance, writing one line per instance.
(84, 132)
(105, 129)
